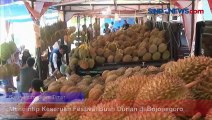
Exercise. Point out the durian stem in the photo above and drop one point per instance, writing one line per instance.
(191, 84)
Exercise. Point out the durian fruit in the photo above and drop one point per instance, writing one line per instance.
(105, 111)
(83, 64)
(166, 55)
(75, 78)
(128, 72)
(120, 71)
(107, 53)
(162, 47)
(71, 111)
(127, 58)
(202, 90)
(154, 32)
(147, 56)
(157, 41)
(100, 51)
(188, 68)
(128, 89)
(100, 60)
(92, 52)
(55, 87)
(104, 74)
(9, 69)
(156, 56)
(112, 47)
(3, 72)
(135, 59)
(110, 90)
(118, 57)
(110, 59)
(143, 44)
(12, 46)
(73, 61)
(5, 51)
(209, 115)
(110, 78)
(83, 51)
(153, 48)
(152, 70)
(128, 51)
(95, 93)
(91, 63)
(141, 51)
(166, 91)
(151, 115)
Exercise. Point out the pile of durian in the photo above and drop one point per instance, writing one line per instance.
(9, 70)
(6, 50)
(184, 84)
(137, 43)
(52, 33)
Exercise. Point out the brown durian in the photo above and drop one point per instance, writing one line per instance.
(153, 48)
(95, 93)
(147, 56)
(129, 88)
(189, 68)
(110, 59)
(160, 91)
(127, 58)
(162, 47)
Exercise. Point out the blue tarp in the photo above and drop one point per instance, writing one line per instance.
(3, 2)
(15, 12)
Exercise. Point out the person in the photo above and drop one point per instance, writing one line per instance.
(56, 58)
(126, 25)
(111, 27)
(7, 81)
(29, 100)
(44, 65)
(26, 54)
(90, 32)
(27, 74)
(63, 41)
(107, 30)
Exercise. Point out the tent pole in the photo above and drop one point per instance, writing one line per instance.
(38, 52)
(192, 25)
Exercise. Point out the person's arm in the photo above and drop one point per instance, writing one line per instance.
(55, 60)
(63, 59)
(18, 77)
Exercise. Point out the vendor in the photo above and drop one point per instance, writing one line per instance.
(57, 58)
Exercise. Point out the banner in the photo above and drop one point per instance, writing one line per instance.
(39, 10)
(210, 4)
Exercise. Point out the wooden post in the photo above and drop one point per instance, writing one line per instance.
(192, 26)
(78, 28)
(38, 44)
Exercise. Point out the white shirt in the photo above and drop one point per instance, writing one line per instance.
(56, 45)
(55, 60)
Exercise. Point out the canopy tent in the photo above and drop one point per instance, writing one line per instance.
(16, 11)
(130, 7)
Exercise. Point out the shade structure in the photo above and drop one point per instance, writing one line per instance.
(15, 12)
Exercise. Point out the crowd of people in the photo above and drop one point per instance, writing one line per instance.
(110, 28)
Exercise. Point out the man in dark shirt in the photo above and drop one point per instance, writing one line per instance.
(26, 76)
(126, 25)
